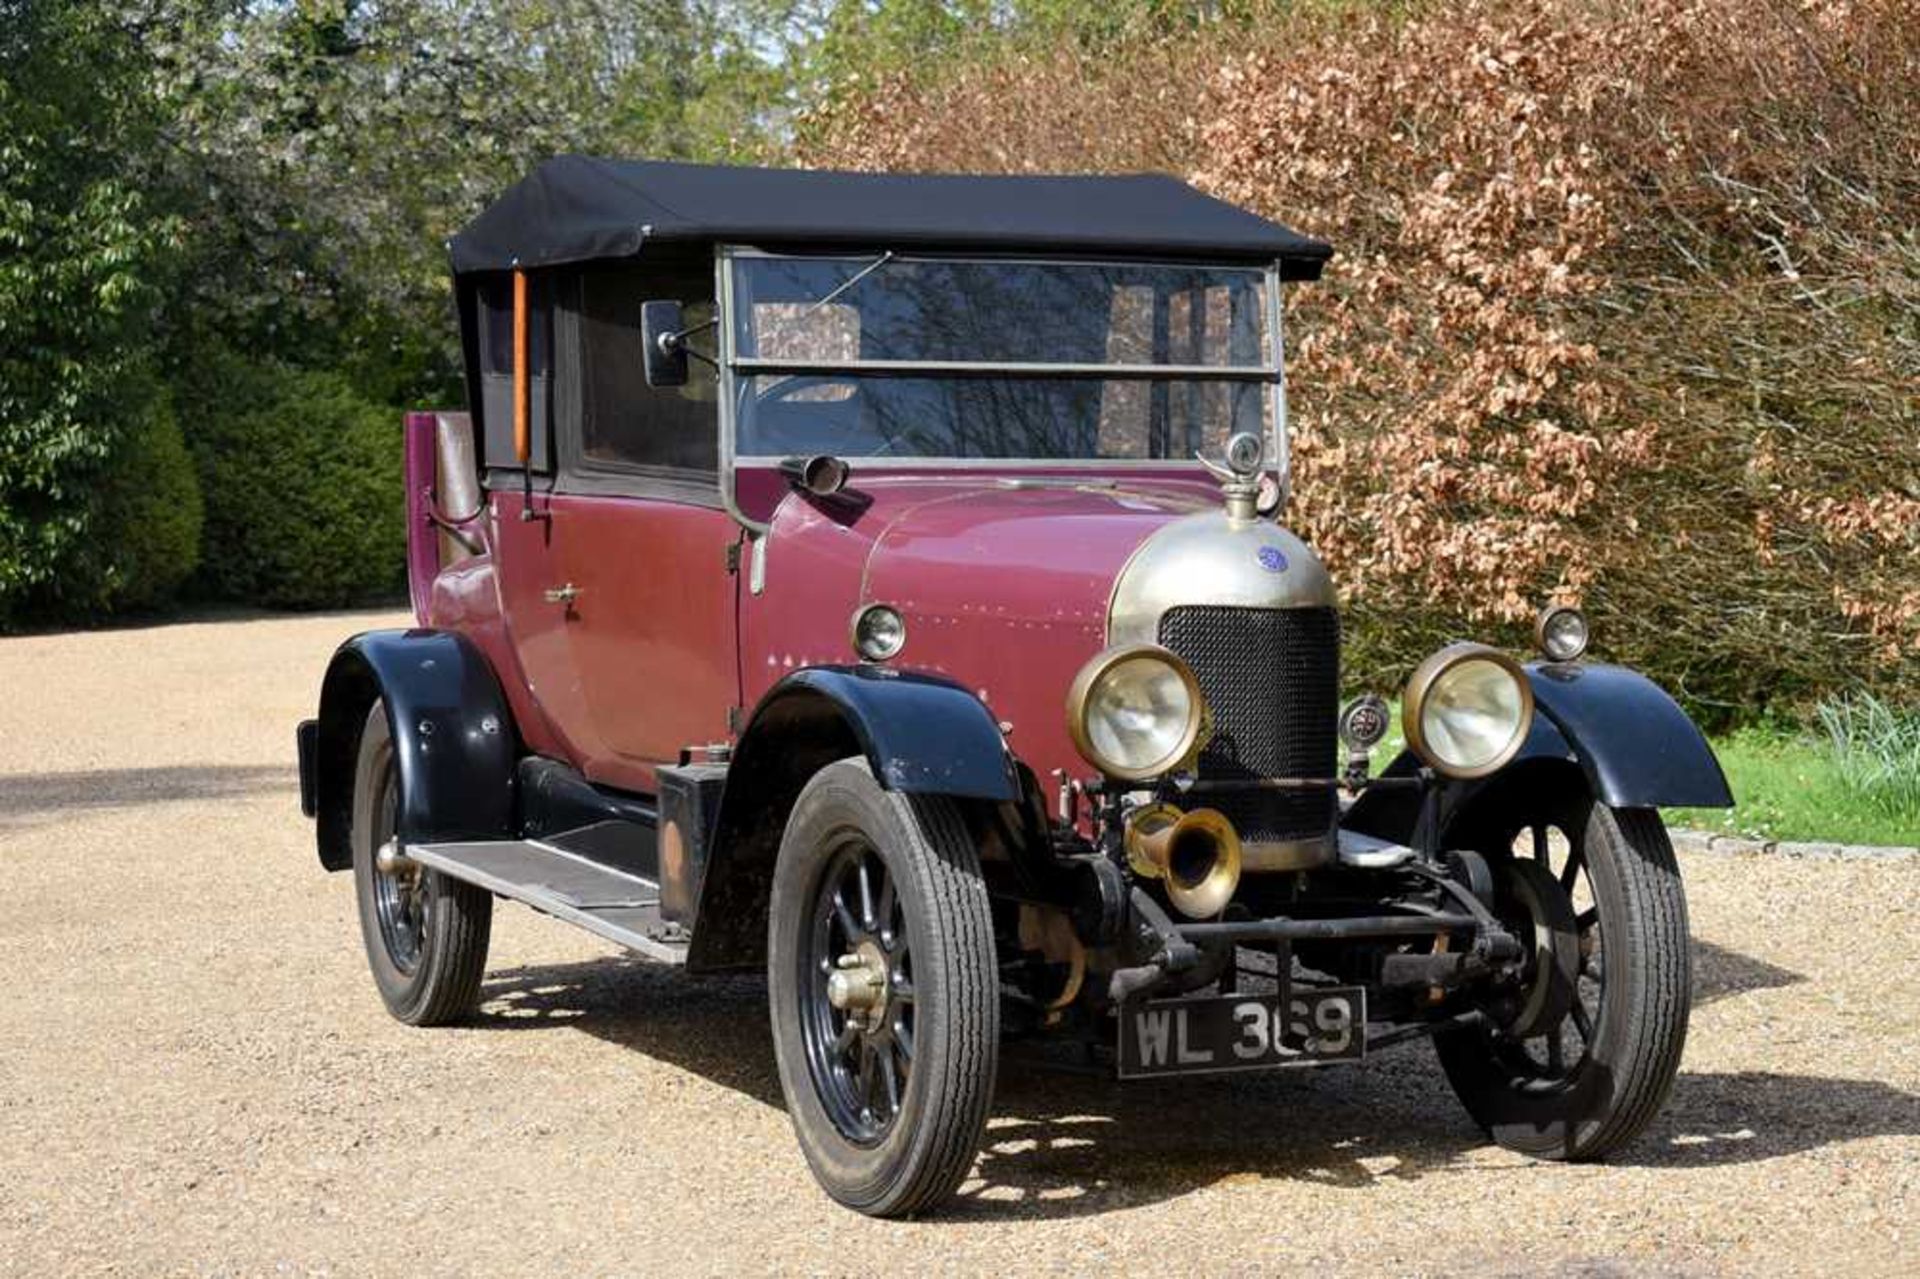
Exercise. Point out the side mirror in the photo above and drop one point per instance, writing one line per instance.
(662, 333)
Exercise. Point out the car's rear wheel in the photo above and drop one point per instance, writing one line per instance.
(1581, 1056)
(884, 990)
(426, 935)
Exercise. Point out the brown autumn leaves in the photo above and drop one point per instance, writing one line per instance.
(1626, 307)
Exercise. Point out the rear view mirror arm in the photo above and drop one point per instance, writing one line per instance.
(673, 343)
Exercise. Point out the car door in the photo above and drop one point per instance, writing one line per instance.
(652, 628)
(643, 541)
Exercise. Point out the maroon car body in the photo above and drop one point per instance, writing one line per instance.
(881, 581)
(955, 555)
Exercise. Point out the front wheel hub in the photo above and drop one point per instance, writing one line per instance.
(1550, 937)
(858, 983)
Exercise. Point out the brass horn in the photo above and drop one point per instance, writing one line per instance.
(1197, 853)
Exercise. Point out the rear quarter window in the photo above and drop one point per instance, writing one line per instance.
(495, 305)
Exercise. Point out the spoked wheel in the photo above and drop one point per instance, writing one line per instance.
(1581, 1055)
(884, 990)
(399, 887)
(426, 935)
(859, 1007)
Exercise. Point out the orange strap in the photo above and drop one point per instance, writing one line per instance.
(522, 440)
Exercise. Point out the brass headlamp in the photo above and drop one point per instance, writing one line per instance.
(1135, 712)
(1468, 710)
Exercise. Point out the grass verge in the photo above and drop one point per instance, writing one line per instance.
(1791, 786)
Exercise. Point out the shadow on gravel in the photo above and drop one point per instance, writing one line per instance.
(29, 798)
(715, 1027)
(1719, 973)
(1064, 1142)
(1745, 1116)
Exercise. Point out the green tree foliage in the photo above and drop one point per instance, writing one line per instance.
(84, 256)
(185, 179)
(324, 152)
(327, 149)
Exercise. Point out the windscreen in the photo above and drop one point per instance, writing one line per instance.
(914, 358)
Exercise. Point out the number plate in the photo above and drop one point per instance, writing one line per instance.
(1242, 1032)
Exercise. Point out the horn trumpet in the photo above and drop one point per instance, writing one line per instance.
(1197, 854)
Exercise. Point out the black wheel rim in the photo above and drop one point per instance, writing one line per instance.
(1554, 1060)
(400, 896)
(860, 1058)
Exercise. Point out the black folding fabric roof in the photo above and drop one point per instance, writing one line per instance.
(577, 208)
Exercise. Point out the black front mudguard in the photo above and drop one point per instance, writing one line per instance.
(920, 734)
(1634, 745)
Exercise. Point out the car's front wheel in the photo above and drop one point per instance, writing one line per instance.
(1578, 1059)
(884, 989)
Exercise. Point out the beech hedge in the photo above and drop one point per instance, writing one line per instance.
(1624, 310)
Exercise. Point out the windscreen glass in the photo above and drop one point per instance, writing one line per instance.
(890, 357)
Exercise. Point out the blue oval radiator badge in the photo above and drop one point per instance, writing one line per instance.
(1272, 559)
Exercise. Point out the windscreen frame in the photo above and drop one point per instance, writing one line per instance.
(734, 366)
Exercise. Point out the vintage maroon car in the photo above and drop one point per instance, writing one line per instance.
(878, 580)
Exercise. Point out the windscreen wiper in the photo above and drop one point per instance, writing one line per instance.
(852, 280)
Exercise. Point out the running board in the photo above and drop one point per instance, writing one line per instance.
(622, 908)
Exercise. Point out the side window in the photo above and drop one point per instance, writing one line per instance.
(495, 299)
(623, 421)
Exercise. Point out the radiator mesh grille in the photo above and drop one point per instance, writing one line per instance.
(1272, 678)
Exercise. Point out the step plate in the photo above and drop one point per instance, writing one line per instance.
(621, 908)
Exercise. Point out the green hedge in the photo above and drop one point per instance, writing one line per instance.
(147, 516)
(305, 504)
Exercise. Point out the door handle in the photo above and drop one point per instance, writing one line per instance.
(562, 594)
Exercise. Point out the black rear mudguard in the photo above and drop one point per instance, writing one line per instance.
(453, 739)
(1634, 745)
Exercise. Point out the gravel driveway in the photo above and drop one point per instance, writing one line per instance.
(196, 1073)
